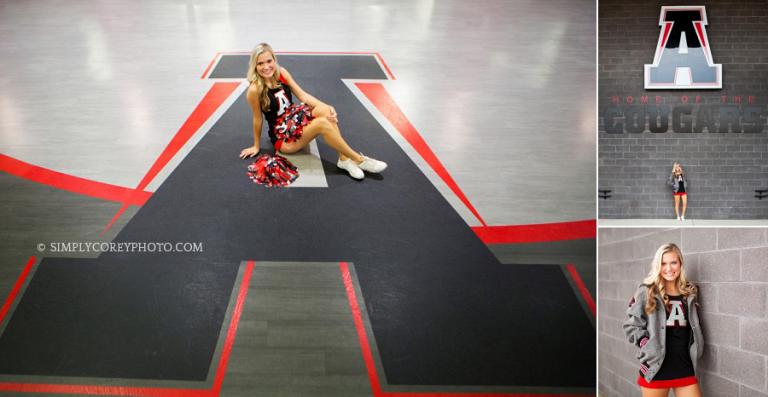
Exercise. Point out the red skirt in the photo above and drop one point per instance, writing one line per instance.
(667, 384)
(681, 194)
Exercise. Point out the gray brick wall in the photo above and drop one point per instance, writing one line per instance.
(730, 266)
(724, 168)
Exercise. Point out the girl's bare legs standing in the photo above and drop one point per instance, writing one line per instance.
(685, 204)
(688, 391)
(677, 206)
(654, 392)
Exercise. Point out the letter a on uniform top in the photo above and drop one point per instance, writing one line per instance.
(683, 57)
(284, 102)
(676, 315)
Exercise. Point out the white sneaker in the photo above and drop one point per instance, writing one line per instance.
(678, 218)
(682, 218)
(352, 168)
(372, 165)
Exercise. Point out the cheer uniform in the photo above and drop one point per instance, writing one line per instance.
(681, 186)
(285, 123)
(285, 120)
(677, 368)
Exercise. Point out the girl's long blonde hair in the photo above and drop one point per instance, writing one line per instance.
(677, 166)
(655, 282)
(254, 78)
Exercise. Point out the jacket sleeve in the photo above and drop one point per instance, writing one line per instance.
(636, 325)
(699, 335)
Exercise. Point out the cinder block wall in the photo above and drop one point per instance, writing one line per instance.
(724, 168)
(730, 266)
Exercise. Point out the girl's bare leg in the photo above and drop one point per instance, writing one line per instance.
(323, 127)
(654, 392)
(688, 391)
(685, 203)
(677, 206)
(325, 111)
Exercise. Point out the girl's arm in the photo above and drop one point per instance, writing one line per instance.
(252, 96)
(308, 99)
(636, 326)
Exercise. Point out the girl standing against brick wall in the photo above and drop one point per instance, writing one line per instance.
(664, 324)
(679, 185)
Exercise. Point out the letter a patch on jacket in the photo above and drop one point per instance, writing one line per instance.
(683, 57)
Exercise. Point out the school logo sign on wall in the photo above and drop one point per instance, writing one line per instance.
(683, 58)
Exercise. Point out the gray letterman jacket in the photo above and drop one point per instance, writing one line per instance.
(672, 181)
(648, 332)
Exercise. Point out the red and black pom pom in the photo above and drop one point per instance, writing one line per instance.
(272, 171)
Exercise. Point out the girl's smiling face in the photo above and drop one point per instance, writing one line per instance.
(670, 266)
(266, 65)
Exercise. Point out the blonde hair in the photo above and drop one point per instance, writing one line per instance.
(655, 282)
(675, 168)
(254, 78)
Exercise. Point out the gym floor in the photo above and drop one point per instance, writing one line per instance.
(466, 267)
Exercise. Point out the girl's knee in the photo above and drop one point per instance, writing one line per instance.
(288, 148)
(322, 122)
(320, 111)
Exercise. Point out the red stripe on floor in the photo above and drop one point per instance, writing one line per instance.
(210, 65)
(104, 390)
(71, 183)
(373, 378)
(582, 288)
(16, 288)
(386, 68)
(113, 220)
(537, 233)
(378, 95)
(215, 96)
(212, 100)
(370, 367)
(232, 331)
(139, 391)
